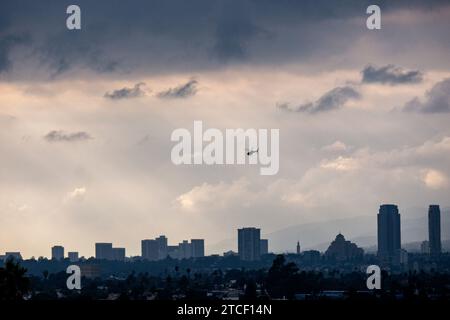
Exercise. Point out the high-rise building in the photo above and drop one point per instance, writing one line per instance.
(154, 249)
(184, 250)
(249, 247)
(150, 249)
(73, 256)
(103, 251)
(389, 243)
(434, 230)
(118, 254)
(162, 247)
(58, 252)
(264, 246)
(198, 248)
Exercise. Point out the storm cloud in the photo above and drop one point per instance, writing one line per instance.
(391, 75)
(7, 43)
(141, 36)
(437, 100)
(62, 136)
(331, 100)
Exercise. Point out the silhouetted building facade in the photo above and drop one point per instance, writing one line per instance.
(118, 254)
(264, 246)
(73, 256)
(389, 243)
(184, 250)
(150, 249)
(15, 255)
(58, 252)
(162, 247)
(311, 256)
(343, 250)
(104, 251)
(298, 247)
(198, 248)
(154, 249)
(249, 244)
(434, 230)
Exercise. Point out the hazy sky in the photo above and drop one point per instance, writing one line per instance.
(86, 116)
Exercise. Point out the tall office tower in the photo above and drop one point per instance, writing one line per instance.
(118, 254)
(150, 249)
(249, 247)
(73, 256)
(264, 246)
(434, 230)
(184, 250)
(162, 247)
(298, 247)
(58, 252)
(198, 248)
(103, 251)
(389, 243)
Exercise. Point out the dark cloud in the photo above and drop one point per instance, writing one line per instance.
(437, 100)
(331, 100)
(126, 93)
(7, 42)
(390, 74)
(158, 36)
(61, 136)
(183, 91)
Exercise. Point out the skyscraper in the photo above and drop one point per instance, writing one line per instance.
(154, 249)
(184, 250)
(118, 254)
(58, 252)
(434, 230)
(389, 243)
(73, 256)
(103, 251)
(264, 246)
(150, 249)
(198, 248)
(162, 247)
(249, 247)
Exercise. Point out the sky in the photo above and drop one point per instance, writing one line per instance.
(86, 116)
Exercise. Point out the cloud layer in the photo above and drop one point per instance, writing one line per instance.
(437, 99)
(126, 93)
(182, 91)
(390, 74)
(331, 100)
(62, 136)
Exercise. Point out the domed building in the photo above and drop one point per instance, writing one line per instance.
(343, 250)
